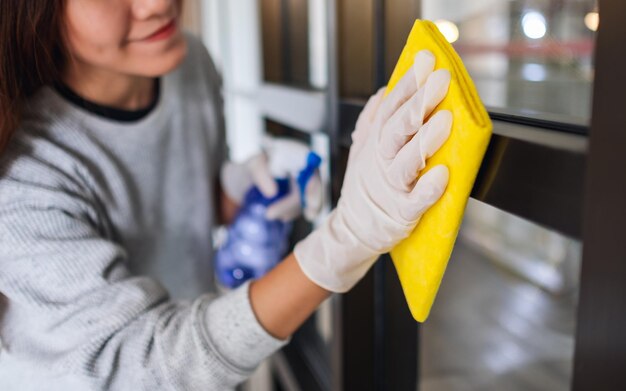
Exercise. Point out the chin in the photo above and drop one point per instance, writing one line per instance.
(166, 62)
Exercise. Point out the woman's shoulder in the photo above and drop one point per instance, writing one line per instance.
(41, 175)
(198, 69)
(37, 158)
(198, 54)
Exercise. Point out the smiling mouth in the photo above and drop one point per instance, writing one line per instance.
(162, 33)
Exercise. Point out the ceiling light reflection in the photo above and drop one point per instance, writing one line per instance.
(448, 30)
(592, 20)
(534, 25)
(534, 72)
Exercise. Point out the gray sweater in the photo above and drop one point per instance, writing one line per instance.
(105, 248)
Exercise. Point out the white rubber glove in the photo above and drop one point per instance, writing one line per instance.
(380, 202)
(281, 158)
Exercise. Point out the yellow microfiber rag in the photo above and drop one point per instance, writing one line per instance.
(421, 259)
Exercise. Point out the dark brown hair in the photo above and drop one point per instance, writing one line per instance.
(31, 55)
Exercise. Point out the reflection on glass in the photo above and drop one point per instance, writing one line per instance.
(541, 256)
(531, 58)
(399, 18)
(356, 41)
(448, 29)
(592, 20)
(294, 37)
(355, 48)
(534, 25)
(504, 317)
(285, 38)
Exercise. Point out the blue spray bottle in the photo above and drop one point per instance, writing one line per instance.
(256, 244)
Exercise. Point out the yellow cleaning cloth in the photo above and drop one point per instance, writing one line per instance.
(421, 259)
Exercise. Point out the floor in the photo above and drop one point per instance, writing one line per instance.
(492, 330)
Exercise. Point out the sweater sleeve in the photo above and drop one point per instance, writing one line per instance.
(73, 307)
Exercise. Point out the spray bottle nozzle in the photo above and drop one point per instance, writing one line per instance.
(313, 161)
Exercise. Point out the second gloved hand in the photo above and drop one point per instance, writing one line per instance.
(381, 201)
(280, 158)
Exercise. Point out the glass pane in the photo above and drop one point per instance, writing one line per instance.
(356, 22)
(399, 18)
(505, 314)
(355, 51)
(530, 58)
(285, 38)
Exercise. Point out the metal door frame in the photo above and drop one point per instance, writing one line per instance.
(600, 350)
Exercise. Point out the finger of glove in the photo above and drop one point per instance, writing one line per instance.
(410, 116)
(373, 104)
(313, 196)
(366, 117)
(412, 157)
(427, 191)
(413, 79)
(286, 209)
(261, 175)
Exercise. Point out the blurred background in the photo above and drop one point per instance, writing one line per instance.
(505, 315)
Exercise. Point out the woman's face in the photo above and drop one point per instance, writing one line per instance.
(134, 37)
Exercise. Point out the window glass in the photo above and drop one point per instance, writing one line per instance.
(399, 18)
(527, 57)
(504, 317)
(285, 41)
(355, 25)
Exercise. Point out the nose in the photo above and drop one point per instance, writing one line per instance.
(145, 9)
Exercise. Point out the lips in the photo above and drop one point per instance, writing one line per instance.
(162, 33)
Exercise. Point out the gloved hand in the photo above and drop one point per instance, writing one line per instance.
(380, 201)
(280, 158)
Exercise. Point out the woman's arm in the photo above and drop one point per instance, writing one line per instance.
(381, 200)
(75, 312)
(284, 298)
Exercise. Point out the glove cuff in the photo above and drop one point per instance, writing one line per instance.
(333, 257)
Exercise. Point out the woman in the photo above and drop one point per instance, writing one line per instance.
(112, 135)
